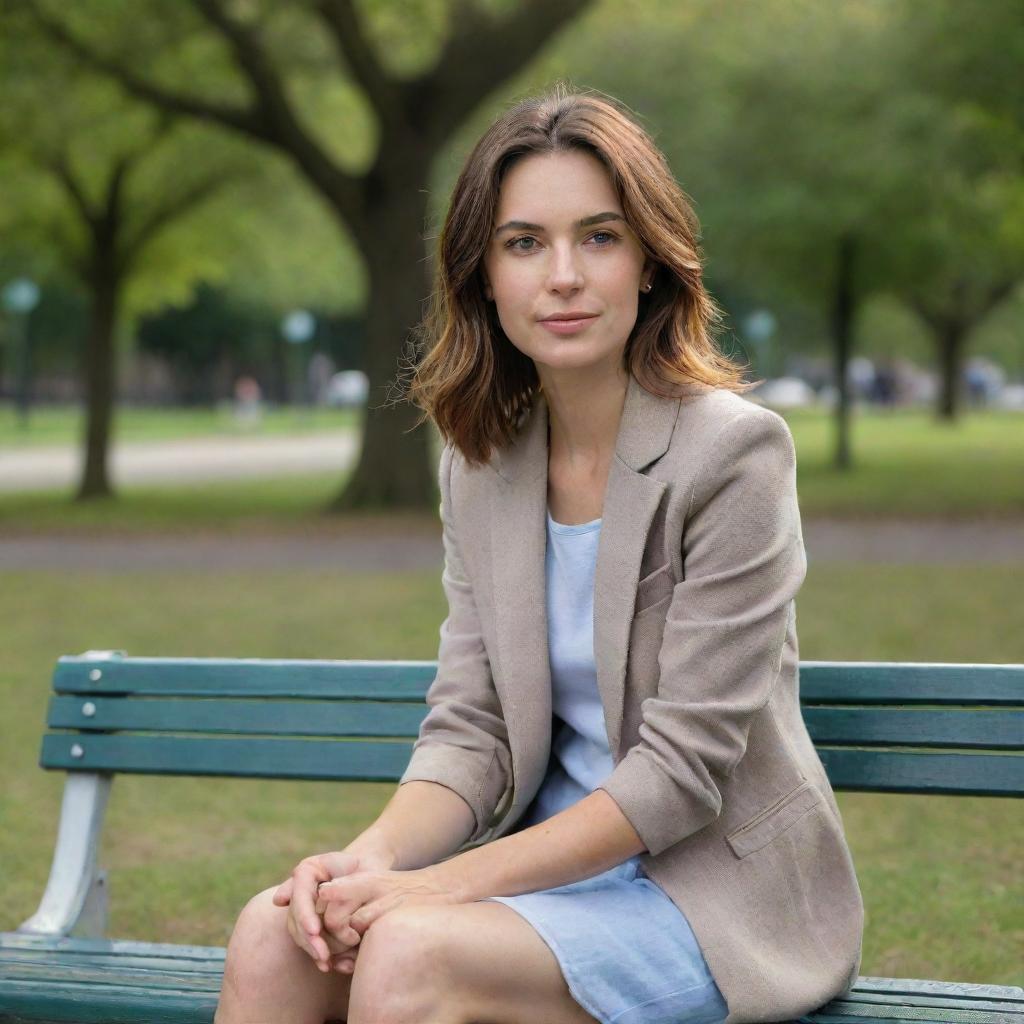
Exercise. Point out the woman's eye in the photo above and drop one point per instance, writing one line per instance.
(514, 244)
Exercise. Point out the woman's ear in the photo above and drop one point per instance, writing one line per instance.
(488, 292)
(647, 275)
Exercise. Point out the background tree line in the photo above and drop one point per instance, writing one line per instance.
(855, 167)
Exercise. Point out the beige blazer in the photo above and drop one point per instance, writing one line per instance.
(699, 560)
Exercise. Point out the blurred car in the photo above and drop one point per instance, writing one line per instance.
(1010, 397)
(347, 389)
(784, 393)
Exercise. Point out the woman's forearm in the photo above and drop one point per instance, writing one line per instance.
(421, 824)
(585, 839)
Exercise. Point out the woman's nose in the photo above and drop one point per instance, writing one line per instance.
(563, 269)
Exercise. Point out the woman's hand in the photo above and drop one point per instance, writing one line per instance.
(352, 903)
(299, 893)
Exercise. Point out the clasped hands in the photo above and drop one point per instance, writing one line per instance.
(334, 898)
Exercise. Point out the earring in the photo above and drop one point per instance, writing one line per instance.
(647, 287)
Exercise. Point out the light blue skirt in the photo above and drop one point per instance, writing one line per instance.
(626, 951)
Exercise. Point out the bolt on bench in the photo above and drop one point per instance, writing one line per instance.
(878, 727)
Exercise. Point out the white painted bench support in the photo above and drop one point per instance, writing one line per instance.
(75, 900)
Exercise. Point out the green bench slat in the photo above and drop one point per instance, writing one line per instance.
(13, 961)
(112, 974)
(298, 718)
(130, 948)
(890, 771)
(57, 1001)
(993, 730)
(910, 727)
(240, 677)
(820, 681)
(1012, 995)
(351, 760)
(865, 1014)
(827, 682)
(951, 1002)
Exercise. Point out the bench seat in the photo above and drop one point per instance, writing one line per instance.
(103, 981)
(878, 727)
(98, 981)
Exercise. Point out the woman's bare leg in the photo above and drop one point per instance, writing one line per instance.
(470, 963)
(269, 980)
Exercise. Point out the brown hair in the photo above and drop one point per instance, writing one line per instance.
(473, 382)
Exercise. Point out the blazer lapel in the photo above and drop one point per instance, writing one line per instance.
(519, 542)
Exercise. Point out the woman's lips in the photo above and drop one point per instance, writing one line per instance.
(567, 326)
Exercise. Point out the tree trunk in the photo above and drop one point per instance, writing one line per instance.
(950, 339)
(842, 333)
(395, 468)
(100, 379)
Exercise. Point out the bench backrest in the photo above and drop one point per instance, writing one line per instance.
(877, 726)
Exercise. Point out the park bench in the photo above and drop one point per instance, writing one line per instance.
(878, 727)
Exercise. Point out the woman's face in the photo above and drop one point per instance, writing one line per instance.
(560, 244)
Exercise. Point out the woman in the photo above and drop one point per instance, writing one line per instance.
(613, 810)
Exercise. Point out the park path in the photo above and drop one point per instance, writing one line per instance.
(398, 544)
(415, 543)
(188, 460)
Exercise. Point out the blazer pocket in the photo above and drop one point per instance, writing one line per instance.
(770, 823)
(654, 587)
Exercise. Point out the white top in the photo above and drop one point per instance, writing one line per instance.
(580, 758)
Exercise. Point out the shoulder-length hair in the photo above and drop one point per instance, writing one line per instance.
(471, 380)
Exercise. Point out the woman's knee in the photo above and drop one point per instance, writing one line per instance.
(260, 936)
(401, 973)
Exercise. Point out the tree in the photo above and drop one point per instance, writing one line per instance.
(965, 216)
(413, 77)
(99, 182)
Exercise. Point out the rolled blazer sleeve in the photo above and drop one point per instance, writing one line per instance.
(721, 653)
(463, 740)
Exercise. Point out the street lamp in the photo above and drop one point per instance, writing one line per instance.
(298, 328)
(19, 298)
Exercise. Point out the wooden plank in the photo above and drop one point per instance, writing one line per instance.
(245, 677)
(893, 1014)
(241, 717)
(352, 760)
(25, 962)
(67, 1002)
(948, 1002)
(1001, 729)
(867, 682)
(112, 974)
(821, 682)
(1011, 994)
(968, 774)
(114, 947)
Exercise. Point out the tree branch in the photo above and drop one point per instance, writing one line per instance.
(175, 207)
(61, 168)
(480, 54)
(354, 49)
(269, 118)
(241, 119)
(997, 293)
(281, 124)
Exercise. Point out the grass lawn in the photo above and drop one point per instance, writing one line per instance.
(907, 465)
(940, 875)
(62, 425)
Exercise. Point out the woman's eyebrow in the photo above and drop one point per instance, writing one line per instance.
(522, 225)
